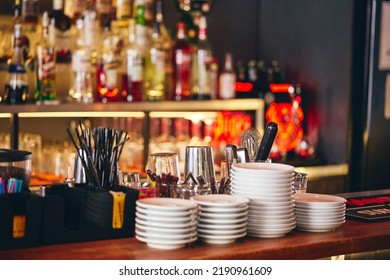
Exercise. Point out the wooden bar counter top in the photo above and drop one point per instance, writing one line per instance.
(351, 237)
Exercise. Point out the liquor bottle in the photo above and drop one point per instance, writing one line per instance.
(64, 35)
(46, 63)
(16, 87)
(25, 41)
(108, 71)
(103, 11)
(154, 81)
(186, 17)
(227, 79)
(81, 89)
(30, 14)
(74, 9)
(167, 45)
(262, 75)
(141, 27)
(133, 69)
(201, 61)
(182, 51)
(123, 12)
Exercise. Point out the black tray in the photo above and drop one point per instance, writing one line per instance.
(369, 208)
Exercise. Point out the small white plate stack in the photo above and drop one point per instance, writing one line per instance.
(166, 223)
(319, 212)
(268, 187)
(222, 218)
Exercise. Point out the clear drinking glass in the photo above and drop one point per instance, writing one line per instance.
(164, 163)
(299, 183)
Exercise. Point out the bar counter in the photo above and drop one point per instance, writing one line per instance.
(351, 237)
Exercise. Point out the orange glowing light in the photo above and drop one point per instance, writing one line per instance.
(244, 86)
(275, 88)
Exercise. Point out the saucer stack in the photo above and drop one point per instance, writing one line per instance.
(166, 223)
(319, 212)
(222, 218)
(268, 187)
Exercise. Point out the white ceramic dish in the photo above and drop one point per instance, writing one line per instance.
(153, 212)
(239, 178)
(165, 236)
(167, 204)
(263, 198)
(319, 200)
(318, 227)
(217, 209)
(220, 239)
(222, 226)
(283, 192)
(255, 177)
(220, 200)
(267, 208)
(302, 220)
(153, 229)
(162, 218)
(274, 219)
(251, 167)
(164, 244)
(223, 221)
(334, 215)
(221, 231)
(268, 233)
(255, 224)
(211, 215)
(165, 224)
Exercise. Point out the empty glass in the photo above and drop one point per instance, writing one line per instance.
(164, 163)
(299, 183)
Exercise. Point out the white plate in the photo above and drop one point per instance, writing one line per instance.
(319, 216)
(147, 211)
(318, 227)
(164, 224)
(269, 233)
(165, 236)
(265, 177)
(162, 218)
(167, 204)
(217, 209)
(285, 192)
(260, 167)
(152, 229)
(319, 199)
(242, 179)
(255, 224)
(164, 244)
(319, 222)
(220, 200)
(266, 208)
(223, 226)
(262, 198)
(210, 215)
(221, 231)
(220, 239)
(273, 220)
(223, 221)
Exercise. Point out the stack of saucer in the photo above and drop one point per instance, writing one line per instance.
(166, 223)
(222, 218)
(268, 187)
(319, 212)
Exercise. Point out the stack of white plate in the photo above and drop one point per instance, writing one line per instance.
(319, 212)
(268, 187)
(166, 223)
(222, 218)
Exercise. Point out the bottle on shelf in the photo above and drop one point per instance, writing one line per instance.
(186, 17)
(123, 12)
(227, 79)
(154, 81)
(45, 50)
(16, 85)
(201, 61)
(30, 14)
(103, 11)
(141, 27)
(75, 9)
(181, 62)
(81, 89)
(167, 45)
(63, 30)
(108, 71)
(132, 69)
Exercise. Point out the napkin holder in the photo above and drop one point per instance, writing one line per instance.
(25, 205)
(67, 217)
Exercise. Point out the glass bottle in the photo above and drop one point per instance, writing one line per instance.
(154, 82)
(63, 36)
(81, 89)
(46, 63)
(133, 69)
(16, 87)
(141, 28)
(103, 10)
(30, 14)
(182, 51)
(201, 62)
(123, 12)
(108, 69)
(74, 9)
